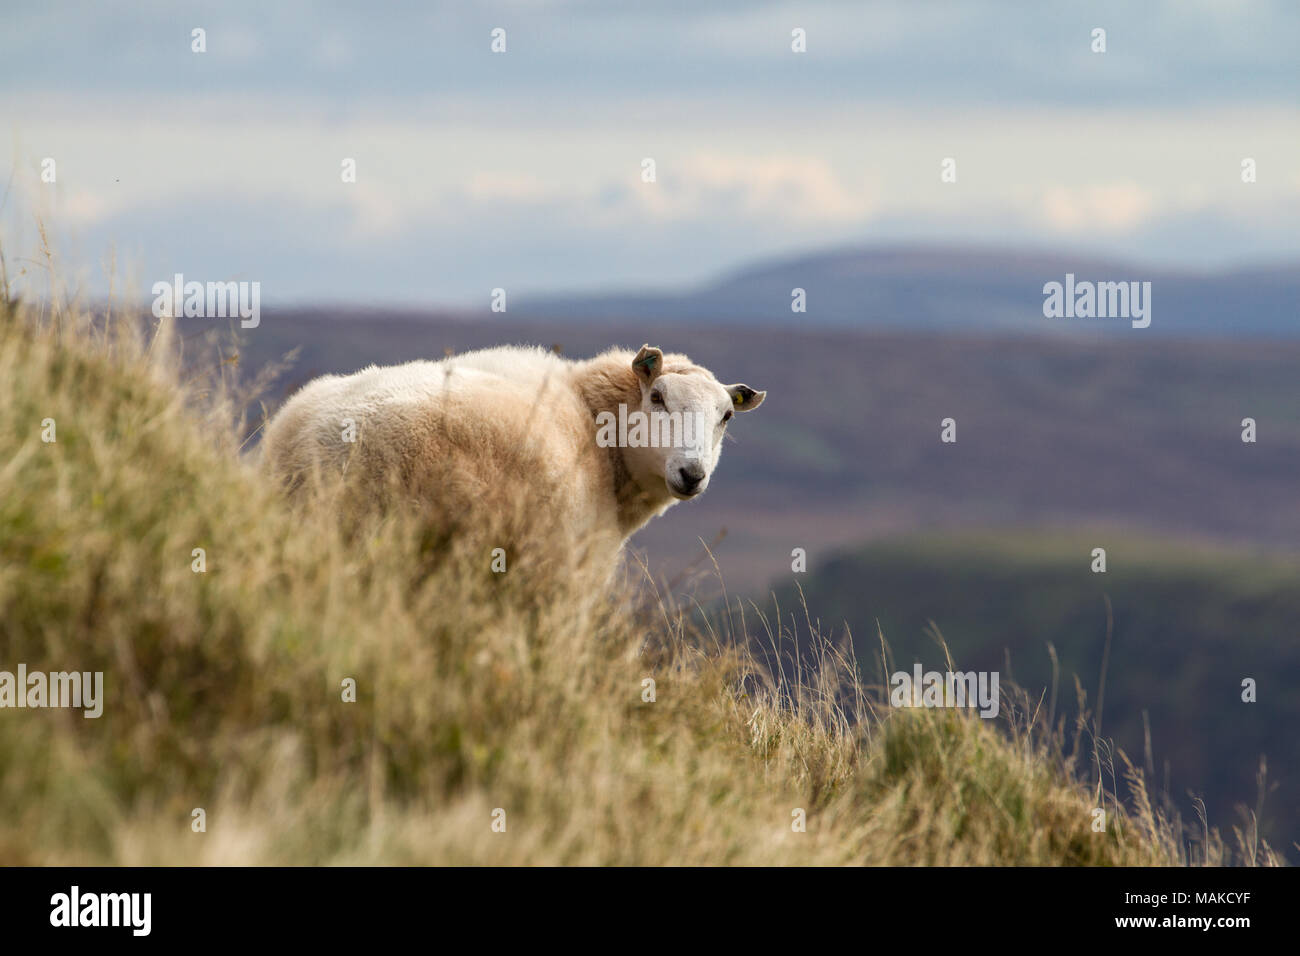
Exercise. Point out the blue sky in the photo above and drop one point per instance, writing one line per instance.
(523, 169)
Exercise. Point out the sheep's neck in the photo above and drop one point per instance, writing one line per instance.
(636, 506)
(604, 386)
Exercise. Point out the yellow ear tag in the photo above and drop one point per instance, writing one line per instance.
(738, 399)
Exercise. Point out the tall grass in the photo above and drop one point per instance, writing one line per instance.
(476, 693)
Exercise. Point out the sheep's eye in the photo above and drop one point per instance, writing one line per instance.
(656, 398)
(727, 417)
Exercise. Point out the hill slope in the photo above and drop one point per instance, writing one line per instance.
(474, 696)
(1189, 625)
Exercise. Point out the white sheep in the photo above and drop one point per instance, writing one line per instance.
(599, 447)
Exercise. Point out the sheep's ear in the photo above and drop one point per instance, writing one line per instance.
(649, 362)
(744, 398)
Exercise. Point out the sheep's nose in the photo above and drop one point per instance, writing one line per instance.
(690, 477)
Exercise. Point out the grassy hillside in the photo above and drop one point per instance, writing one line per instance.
(475, 692)
(1188, 625)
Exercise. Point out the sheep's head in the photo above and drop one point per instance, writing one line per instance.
(685, 411)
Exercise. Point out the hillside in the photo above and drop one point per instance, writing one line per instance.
(1189, 624)
(473, 693)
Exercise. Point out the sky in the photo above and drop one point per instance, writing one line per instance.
(523, 169)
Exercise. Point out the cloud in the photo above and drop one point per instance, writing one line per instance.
(937, 51)
(797, 188)
(549, 194)
(493, 186)
(1113, 207)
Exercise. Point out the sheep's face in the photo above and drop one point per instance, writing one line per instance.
(685, 414)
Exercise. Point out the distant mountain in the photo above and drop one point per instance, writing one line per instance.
(954, 289)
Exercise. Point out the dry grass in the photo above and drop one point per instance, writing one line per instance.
(476, 691)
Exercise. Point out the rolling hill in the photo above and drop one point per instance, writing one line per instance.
(952, 289)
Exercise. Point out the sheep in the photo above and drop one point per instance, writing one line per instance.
(596, 447)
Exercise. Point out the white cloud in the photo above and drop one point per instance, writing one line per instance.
(799, 188)
(1113, 207)
(495, 186)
